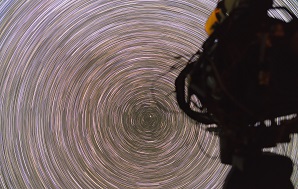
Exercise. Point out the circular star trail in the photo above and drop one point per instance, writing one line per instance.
(87, 96)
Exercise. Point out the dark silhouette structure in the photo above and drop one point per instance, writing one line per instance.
(246, 79)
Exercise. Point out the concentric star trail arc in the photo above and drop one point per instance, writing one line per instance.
(86, 100)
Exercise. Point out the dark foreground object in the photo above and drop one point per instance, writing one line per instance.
(268, 171)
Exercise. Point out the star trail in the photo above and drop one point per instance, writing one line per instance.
(87, 96)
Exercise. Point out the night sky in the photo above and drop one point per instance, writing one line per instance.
(87, 96)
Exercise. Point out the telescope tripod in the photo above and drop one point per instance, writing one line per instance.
(265, 171)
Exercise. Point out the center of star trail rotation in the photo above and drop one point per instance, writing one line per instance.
(85, 101)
